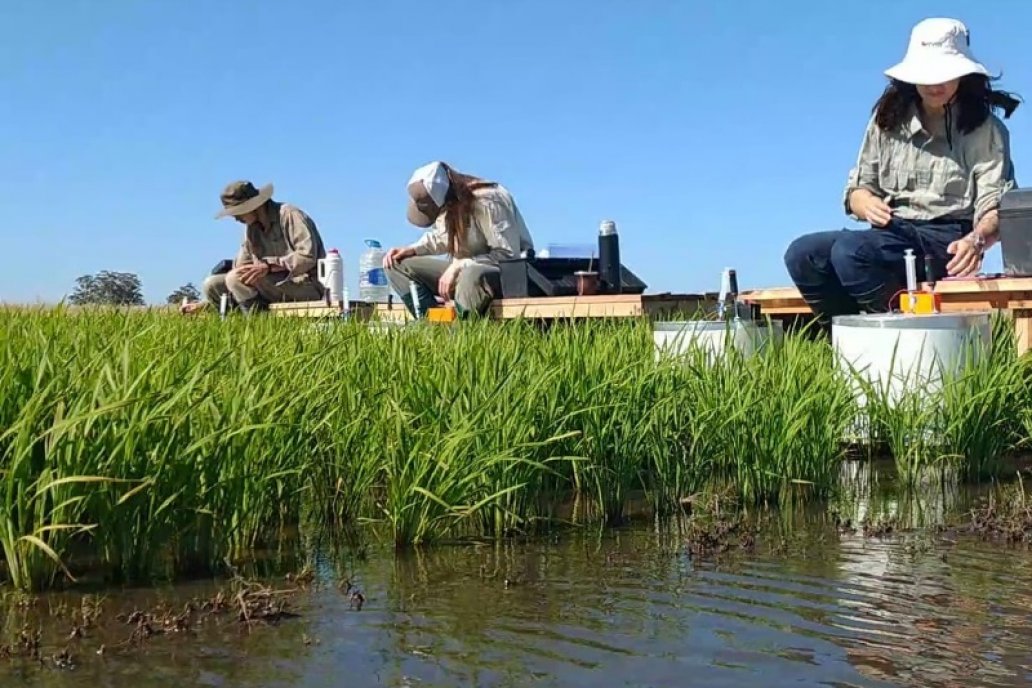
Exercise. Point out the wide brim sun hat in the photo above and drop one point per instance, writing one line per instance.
(241, 197)
(939, 51)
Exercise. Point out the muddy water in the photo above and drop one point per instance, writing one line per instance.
(805, 605)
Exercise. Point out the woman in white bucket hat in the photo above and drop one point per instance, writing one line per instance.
(932, 166)
(474, 222)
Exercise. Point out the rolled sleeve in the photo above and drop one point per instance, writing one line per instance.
(497, 228)
(434, 241)
(864, 174)
(993, 170)
(300, 232)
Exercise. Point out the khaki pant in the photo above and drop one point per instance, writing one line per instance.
(475, 288)
(217, 285)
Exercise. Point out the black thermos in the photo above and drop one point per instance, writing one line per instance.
(609, 259)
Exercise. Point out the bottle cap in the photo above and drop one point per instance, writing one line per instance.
(333, 250)
(373, 243)
(607, 228)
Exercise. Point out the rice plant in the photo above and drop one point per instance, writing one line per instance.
(139, 446)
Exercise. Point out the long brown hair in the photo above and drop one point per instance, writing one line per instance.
(975, 99)
(458, 204)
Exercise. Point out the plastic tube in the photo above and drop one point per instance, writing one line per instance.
(414, 291)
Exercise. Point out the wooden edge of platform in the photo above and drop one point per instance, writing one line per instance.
(618, 305)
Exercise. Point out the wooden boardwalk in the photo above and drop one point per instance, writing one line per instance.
(1011, 294)
(655, 306)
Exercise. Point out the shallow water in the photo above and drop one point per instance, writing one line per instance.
(808, 605)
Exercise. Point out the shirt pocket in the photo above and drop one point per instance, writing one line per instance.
(900, 178)
(949, 179)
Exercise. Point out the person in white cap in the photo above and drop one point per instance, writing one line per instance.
(474, 222)
(931, 169)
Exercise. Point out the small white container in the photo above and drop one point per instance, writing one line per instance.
(747, 336)
(330, 271)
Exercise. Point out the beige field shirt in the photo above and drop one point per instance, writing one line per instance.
(496, 233)
(292, 241)
(923, 175)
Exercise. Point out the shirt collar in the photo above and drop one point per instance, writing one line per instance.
(914, 126)
(274, 218)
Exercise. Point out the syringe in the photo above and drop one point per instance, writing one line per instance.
(911, 262)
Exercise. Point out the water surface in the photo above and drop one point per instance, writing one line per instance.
(807, 605)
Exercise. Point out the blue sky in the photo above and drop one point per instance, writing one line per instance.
(712, 132)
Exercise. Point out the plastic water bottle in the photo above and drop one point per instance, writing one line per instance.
(330, 271)
(372, 280)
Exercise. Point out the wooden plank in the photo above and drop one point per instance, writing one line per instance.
(1023, 330)
(546, 308)
(1003, 285)
(968, 286)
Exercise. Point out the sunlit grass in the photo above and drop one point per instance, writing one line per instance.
(154, 446)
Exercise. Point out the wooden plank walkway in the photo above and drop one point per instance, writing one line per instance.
(1013, 294)
(654, 306)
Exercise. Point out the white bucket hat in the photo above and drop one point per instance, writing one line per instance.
(939, 51)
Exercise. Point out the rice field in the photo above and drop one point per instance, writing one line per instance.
(143, 446)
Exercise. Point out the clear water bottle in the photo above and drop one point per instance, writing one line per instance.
(372, 280)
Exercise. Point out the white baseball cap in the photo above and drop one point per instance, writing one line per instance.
(427, 189)
(939, 51)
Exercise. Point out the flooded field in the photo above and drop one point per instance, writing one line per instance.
(807, 599)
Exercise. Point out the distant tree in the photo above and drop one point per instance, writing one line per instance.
(187, 291)
(108, 288)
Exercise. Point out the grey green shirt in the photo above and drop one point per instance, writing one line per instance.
(292, 241)
(497, 231)
(923, 175)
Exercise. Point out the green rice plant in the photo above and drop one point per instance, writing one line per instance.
(679, 462)
(607, 375)
(769, 421)
(955, 417)
(146, 446)
(978, 420)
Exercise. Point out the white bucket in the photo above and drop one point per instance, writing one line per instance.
(898, 353)
(902, 351)
(714, 337)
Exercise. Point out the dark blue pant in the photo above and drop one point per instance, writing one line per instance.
(849, 271)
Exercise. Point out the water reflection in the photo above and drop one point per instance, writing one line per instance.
(810, 604)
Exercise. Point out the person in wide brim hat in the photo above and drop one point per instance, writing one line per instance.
(241, 198)
(939, 51)
(932, 166)
(278, 257)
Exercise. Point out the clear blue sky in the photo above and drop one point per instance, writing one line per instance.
(712, 132)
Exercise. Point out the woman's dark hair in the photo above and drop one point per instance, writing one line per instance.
(459, 206)
(974, 100)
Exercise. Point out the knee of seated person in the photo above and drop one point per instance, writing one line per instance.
(234, 283)
(213, 285)
(799, 254)
(848, 251)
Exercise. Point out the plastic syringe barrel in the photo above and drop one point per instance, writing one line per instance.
(911, 262)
